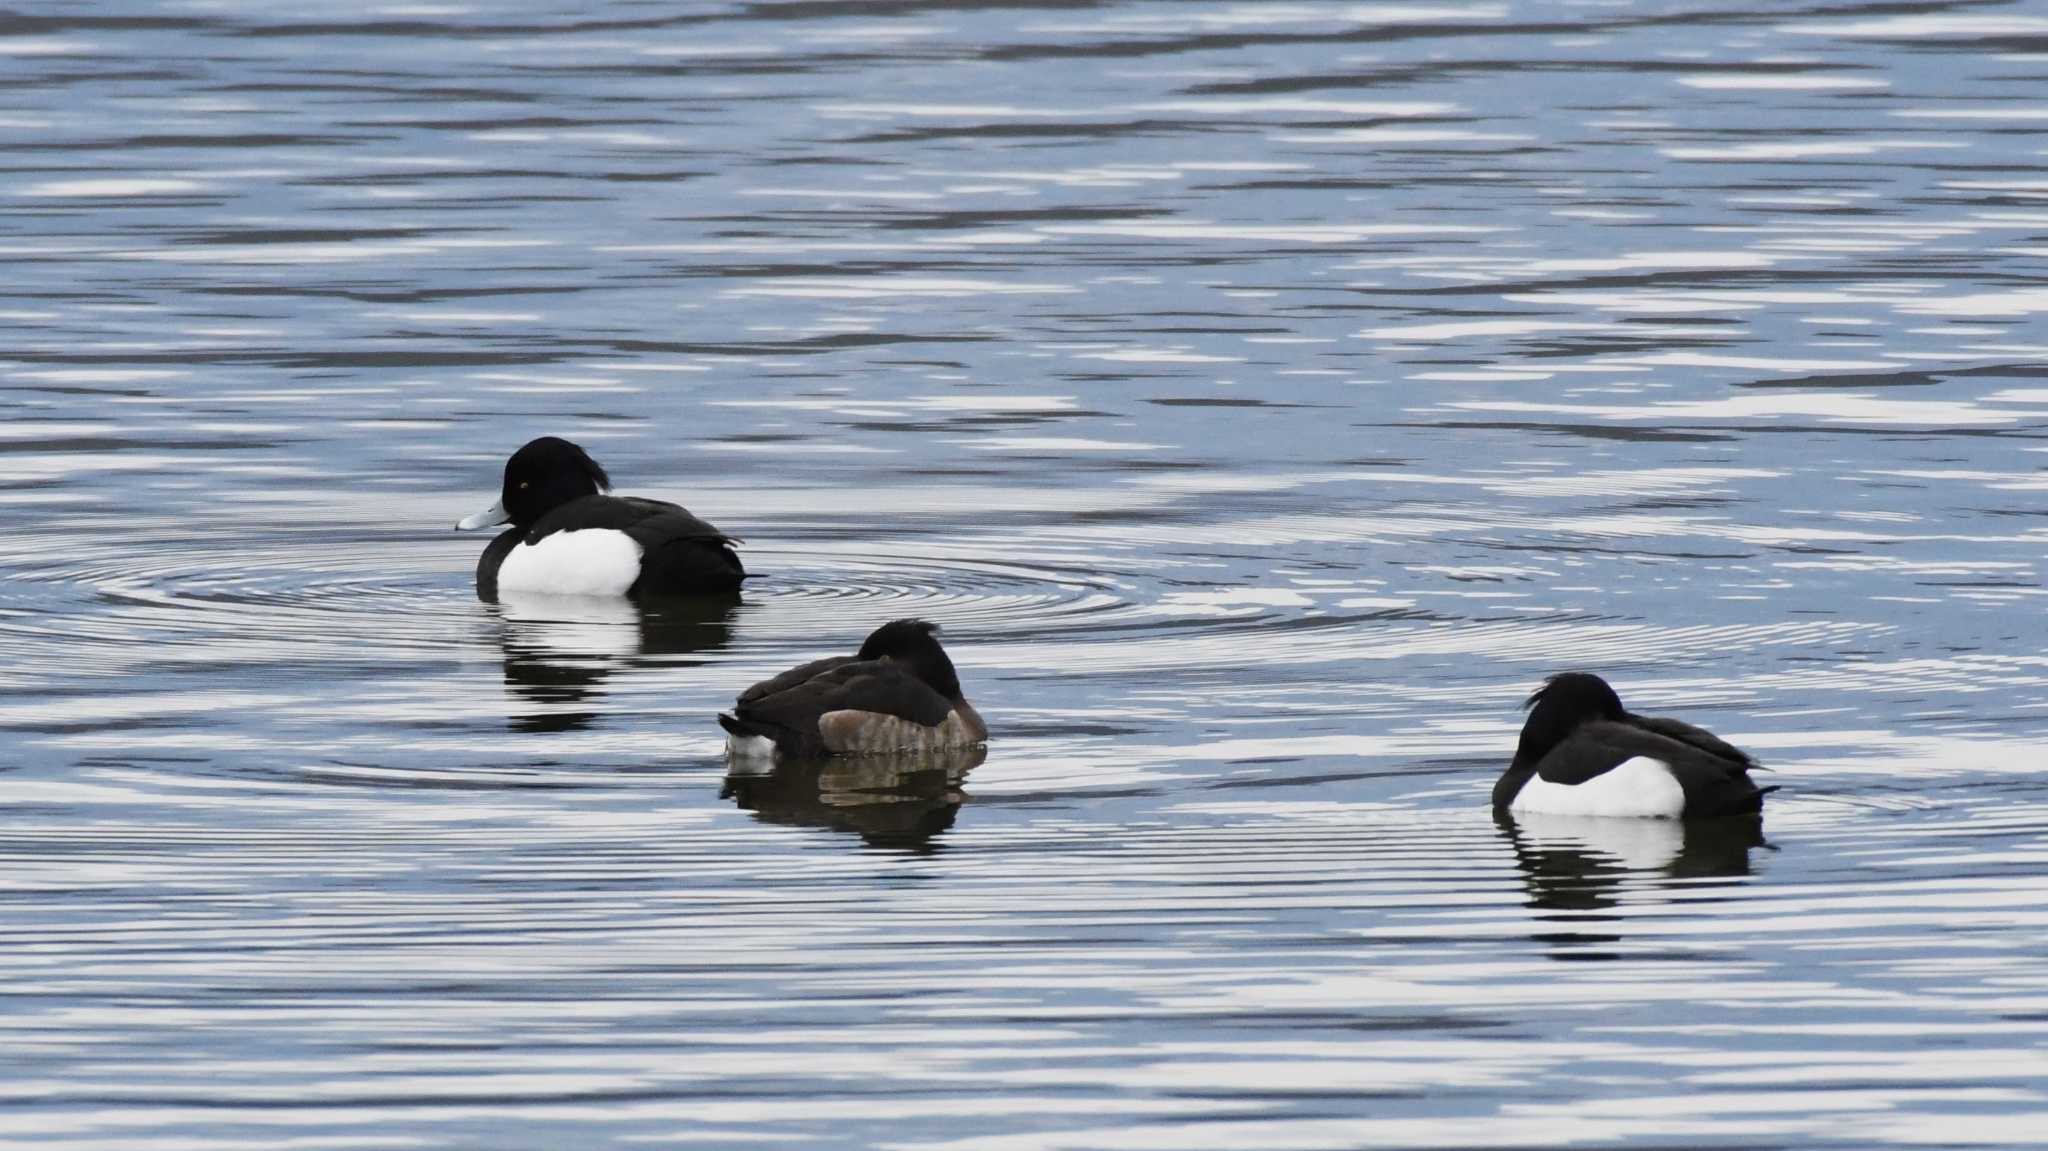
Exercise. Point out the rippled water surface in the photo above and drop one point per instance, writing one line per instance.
(1263, 396)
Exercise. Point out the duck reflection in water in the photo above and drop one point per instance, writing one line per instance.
(560, 651)
(900, 802)
(1578, 866)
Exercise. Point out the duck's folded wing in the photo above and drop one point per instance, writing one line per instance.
(795, 676)
(663, 522)
(1599, 747)
(1698, 737)
(647, 521)
(881, 687)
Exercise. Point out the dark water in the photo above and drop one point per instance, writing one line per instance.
(1263, 396)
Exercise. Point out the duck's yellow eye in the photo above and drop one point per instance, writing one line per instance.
(522, 486)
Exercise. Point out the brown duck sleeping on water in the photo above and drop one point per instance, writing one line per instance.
(898, 693)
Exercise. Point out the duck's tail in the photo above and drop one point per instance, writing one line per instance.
(744, 739)
(1751, 804)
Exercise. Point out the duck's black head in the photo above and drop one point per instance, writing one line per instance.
(1558, 707)
(544, 475)
(915, 642)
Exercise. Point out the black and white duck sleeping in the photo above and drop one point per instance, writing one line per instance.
(569, 537)
(1582, 753)
(899, 693)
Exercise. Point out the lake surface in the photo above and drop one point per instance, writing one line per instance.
(1264, 397)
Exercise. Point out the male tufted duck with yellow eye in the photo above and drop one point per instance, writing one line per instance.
(569, 537)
